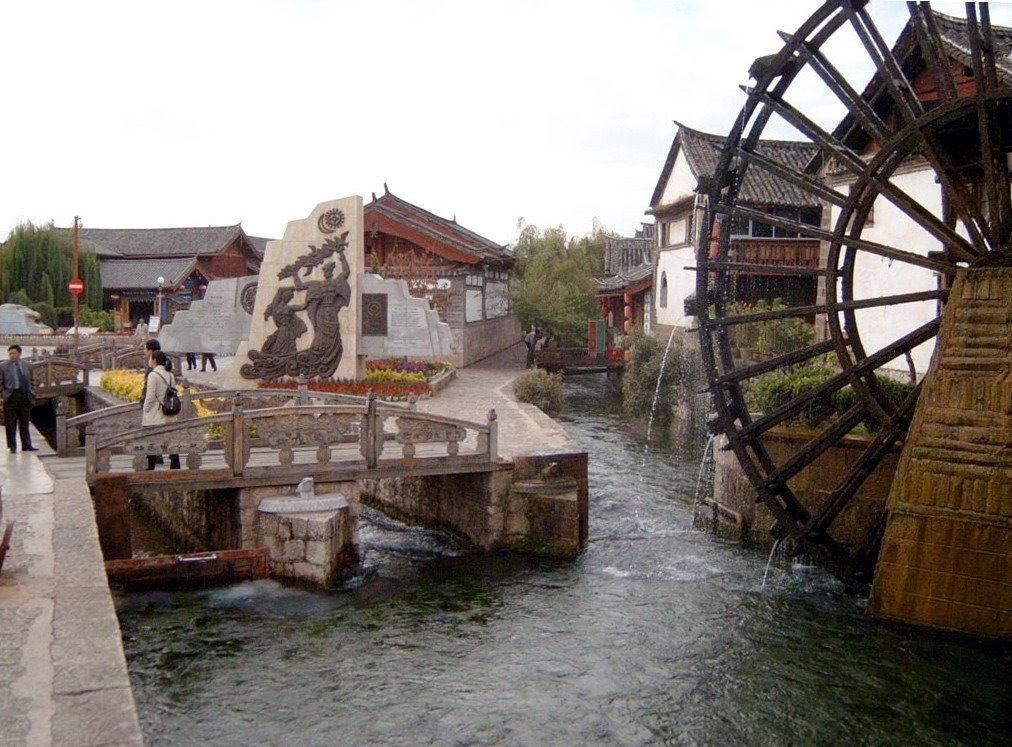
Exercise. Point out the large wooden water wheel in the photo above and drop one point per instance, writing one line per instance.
(938, 103)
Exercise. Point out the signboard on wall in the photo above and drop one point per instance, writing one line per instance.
(496, 303)
(472, 305)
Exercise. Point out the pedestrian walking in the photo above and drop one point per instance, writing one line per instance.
(18, 393)
(206, 358)
(191, 361)
(159, 379)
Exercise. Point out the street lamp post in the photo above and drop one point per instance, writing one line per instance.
(158, 310)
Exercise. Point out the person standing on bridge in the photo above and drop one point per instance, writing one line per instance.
(18, 393)
(159, 380)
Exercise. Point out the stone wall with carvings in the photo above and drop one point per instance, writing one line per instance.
(946, 558)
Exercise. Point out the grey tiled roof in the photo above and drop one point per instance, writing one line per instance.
(636, 250)
(702, 151)
(439, 229)
(129, 273)
(158, 242)
(624, 279)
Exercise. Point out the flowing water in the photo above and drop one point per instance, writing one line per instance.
(658, 634)
(657, 389)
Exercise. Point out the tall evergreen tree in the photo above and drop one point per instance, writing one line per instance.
(38, 260)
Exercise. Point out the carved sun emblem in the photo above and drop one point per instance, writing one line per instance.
(331, 220)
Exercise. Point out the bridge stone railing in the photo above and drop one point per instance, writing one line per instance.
(284, 434)
(54, 376)
(70, 432)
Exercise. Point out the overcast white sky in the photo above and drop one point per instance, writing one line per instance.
(147, 115)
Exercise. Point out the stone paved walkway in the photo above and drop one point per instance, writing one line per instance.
(63, 676)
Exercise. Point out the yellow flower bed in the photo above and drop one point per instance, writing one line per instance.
(128, 385)
(383, 375)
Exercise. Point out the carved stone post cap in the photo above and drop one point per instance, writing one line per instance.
(492, 415)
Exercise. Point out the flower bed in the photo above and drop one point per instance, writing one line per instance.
(386, 390)
(128, 385)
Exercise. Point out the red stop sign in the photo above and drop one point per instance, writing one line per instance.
(76, 287)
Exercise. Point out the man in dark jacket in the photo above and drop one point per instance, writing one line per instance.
(18, 393)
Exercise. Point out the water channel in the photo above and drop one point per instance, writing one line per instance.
(658, 634)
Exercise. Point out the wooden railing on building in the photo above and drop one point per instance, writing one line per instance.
(778, 252)
(291, 440)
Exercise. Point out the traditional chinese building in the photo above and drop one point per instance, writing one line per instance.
(887, 222)
(624, 294)
(680, 212)
(463, 274)
(131, 261)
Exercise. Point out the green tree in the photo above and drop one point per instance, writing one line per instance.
(38, 260)
(553, 286)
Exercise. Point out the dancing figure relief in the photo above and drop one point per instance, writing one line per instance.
(320, 306)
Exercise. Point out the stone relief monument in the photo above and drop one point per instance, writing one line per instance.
(306, 314)
(218, 323)
(395, 323)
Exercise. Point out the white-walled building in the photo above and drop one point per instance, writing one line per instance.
(888, 224)
(681, 218)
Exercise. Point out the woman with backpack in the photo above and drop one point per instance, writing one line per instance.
(159, 380)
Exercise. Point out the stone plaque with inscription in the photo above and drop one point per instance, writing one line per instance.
(374, 314)
(217, 323)
(411, 327)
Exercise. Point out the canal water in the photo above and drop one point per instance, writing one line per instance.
(658, 634)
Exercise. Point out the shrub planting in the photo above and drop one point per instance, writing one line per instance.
(541, 389)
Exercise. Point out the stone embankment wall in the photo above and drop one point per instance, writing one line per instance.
(478, 340)
(539, 506)
(946, 558)
(811, 486)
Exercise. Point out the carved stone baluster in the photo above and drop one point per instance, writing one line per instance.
(237, 447)
(369, 437)
(90, 453)
(189, 410)
(493, 436)
(61, 426)
(303, 390)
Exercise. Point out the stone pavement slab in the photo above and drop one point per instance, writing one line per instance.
(63, 676)
(487, 385)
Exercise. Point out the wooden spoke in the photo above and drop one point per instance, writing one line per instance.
(886, 354)
(874, 453)
(850, 98)
(933, 50)
(788, 174)
(910, 109)
(782, 361)
(818, 445)
(829, 308)
(991, 141)
(817, 233)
